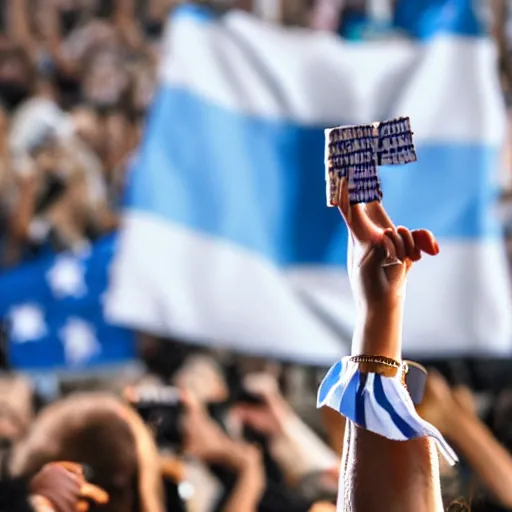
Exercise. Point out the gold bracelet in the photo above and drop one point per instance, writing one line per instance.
(382, 365)
(387, 361)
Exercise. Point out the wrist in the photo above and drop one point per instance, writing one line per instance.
(251, 478)
(379, 331)
(237, 460)
(40, 503)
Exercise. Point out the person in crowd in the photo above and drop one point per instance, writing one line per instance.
(206, 441)
(101, 432)
(57, 487)
(453, 412)
(300, 467)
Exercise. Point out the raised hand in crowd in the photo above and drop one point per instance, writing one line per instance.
(438, 404)
(295, 447)
(61, 487)
(380, 474)
(453, 412)
(205, 440)
(377, 285)
(271, 414)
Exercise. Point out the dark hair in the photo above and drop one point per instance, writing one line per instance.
(89, 430)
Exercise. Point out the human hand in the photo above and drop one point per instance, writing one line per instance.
(379, 254)
(204, 439)
(270, 416)
(323, 507)
(61, 487)
(438, 406)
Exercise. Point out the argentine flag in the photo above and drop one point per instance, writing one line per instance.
(227, 240)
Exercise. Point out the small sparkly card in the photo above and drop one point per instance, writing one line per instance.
(355, 152)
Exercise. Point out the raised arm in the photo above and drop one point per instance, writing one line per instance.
(379, 474)
(18, 26)
(488, 458)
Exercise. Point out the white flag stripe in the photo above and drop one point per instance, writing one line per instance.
(227, 241)
(338, 82)
(402, 403)
(377, 419)
(244, 287)
(467, 327)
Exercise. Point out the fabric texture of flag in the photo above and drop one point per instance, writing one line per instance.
(379, 404)
(53, 311)
(227, 240)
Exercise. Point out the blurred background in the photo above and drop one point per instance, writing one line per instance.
(163, 226)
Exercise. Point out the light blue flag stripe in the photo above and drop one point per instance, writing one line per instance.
(425, 19)
(226, 219)
(210, 162)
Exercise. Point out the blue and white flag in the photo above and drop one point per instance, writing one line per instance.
(227, 240)
(53, 311)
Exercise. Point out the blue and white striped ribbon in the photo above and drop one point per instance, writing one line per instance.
(379, 404)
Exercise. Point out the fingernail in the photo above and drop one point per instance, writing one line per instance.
(436, 247)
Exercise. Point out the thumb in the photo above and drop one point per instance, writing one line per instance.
(94, 493)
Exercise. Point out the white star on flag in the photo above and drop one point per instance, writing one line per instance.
(66, 278)
(27, 323)
(79, 340)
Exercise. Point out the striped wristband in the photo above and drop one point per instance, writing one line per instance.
(370, 391)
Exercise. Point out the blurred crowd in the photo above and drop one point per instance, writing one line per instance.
(76, 79)
(198, 431)
(215, 436)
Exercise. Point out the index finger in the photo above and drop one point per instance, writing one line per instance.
(94, 493)
(378, 214)
(356, 217)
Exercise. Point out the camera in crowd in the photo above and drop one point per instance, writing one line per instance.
(162, 409)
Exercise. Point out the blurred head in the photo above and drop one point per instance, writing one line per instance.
(73, 12)
(101, 432)
(202, 375)
(106, 81)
